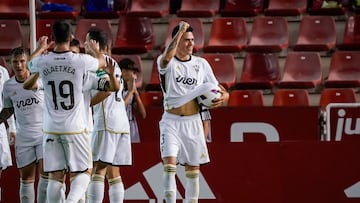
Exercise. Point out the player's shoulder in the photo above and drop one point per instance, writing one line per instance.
(198, 59)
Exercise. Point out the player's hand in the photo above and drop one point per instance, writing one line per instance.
(43, 44)
(91, 47)
(110, 66)
(12, 137)
(183, 26)
(222, 100)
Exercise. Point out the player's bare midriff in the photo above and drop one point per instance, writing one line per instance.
(188, 109)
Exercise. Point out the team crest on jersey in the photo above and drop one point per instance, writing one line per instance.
(197, 68)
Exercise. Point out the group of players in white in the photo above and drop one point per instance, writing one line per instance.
(51, 94)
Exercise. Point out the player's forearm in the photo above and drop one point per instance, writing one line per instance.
(170, 50)
(113, 84)
(6, 114)
(30, 83)
(139, 105)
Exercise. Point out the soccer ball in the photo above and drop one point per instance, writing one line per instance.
(206, 99)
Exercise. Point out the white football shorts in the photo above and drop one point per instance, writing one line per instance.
(183, 137)
(5, 153)
(26, 155)
(112, 148)
(69, 152)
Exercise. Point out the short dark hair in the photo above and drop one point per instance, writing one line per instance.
(61, 31)
(18, 51)
(128, 64)
(100, 36)
(75, 43)
(176, 30)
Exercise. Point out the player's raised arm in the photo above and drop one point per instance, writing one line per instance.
(31, 82)
(170, 49)
(93, 47)
(113, 84)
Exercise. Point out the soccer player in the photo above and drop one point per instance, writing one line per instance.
(183, 78)
(111, 142)
(5, 153)
(131, 96)
(66, 143)
(27, 105)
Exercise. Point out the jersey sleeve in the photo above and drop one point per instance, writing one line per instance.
(91, 63)
(33, 65)
(7, 102)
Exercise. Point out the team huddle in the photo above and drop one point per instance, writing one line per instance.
(74, 116)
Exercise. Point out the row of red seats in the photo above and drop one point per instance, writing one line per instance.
(281, 97)
(302, 70)
(262, 71)
(136, 35)
(188, 8)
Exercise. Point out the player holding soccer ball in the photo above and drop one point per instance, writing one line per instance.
(183, 78)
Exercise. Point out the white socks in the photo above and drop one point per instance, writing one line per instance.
(192, 186)
(78, 187)
(27, 192)
(41, 189)
(55, 192)
(169, 183)
(116, 190)
(95, 192)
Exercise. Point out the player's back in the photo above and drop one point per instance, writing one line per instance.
(62, 76)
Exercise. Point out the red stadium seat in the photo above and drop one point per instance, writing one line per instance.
(242, 8)
(149, 8)
(135, 35)
(198, 8)
(269, 34)
(245, 98)
(224, 68)
(291, 97)
(302, 70)
(152, 98)
(259, 71)
(227, 35)
(83, 25)
(154, 81)
(10, 9)
(44, 28)
(138, 63)
(75, 4)
(286, 7)
(351, 34)
(316, 33)
(336, 95)
(198, 31)
(11, 36)
(344, 70)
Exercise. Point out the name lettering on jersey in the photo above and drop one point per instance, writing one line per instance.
(26, 102)
(186, 81)
(52, 69)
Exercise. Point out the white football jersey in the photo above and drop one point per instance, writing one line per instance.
(28, 108)
(180, 78)
(111, 114)
(62, 74)
(4, 76)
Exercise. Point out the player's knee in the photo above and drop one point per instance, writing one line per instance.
(98, 178)
(169, 168)
(192, 174)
